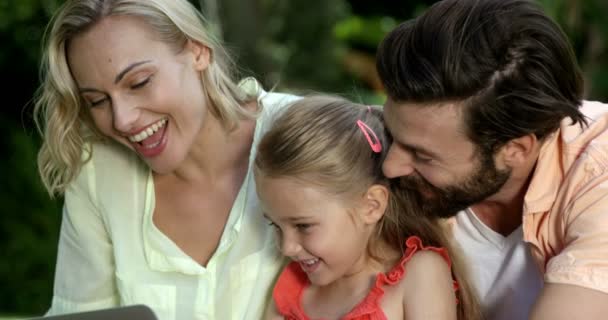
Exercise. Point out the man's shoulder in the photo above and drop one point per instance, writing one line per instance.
(585, 146)
(596, 128)
(593, 109)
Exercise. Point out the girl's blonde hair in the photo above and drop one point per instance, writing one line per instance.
(317, 140)
(61, 115)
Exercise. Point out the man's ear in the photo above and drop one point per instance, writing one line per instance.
(519, 151)
(200, 53)
(375, 202)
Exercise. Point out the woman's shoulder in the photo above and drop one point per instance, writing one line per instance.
(108, 165)
(110, 184)
(112, 156)
(271, 104)
(278, 100)
(270, 101)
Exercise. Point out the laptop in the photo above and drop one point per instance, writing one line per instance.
(139, 312)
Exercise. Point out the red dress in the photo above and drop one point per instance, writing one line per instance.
(288, 291)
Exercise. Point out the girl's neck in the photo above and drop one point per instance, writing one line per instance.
(379, 257)
(339, 297)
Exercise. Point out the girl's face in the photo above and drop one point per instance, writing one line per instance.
(140, 91)
(318, 230)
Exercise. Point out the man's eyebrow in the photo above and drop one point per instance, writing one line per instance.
(129, 68)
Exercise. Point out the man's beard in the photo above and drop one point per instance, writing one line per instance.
(447, 201)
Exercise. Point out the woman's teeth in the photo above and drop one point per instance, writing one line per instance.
(148, 132)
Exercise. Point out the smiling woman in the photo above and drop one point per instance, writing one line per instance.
(150, 140)
(132, 81)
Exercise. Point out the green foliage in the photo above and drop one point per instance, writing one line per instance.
(22, 25)
(30, 220)
(29, 228)
(587, 28)
(294, 43)
(362, 31)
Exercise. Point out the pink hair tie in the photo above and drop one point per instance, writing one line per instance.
(375, 145)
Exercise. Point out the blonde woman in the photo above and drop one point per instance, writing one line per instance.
(151, 142)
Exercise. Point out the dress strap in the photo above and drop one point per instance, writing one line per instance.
(287, 293)
(371, 303)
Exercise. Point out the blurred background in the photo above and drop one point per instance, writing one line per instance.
(296, 45)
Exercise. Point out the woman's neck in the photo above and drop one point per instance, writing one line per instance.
(217, 152)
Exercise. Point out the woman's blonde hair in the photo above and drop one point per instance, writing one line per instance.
(59, 110)
(317, 140)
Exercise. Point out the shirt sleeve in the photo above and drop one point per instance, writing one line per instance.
(84, 274)
(583, 260)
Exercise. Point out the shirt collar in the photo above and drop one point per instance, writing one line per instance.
(546, 178)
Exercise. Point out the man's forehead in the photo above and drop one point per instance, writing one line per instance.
(449, 105)
(432, 114)
(435, 126)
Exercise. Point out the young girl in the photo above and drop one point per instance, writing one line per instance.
(358, 250)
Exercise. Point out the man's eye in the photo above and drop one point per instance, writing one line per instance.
(420, 158)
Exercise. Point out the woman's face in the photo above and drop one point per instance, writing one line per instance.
(140, 91)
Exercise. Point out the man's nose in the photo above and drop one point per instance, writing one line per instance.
(398, 163)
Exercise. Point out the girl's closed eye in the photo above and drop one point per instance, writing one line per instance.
(304, 227)
(274, 225)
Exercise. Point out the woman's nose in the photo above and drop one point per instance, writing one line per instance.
(124, 115)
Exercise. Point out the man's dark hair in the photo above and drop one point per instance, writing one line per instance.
(505, 61)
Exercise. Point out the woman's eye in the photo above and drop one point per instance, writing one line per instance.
(140, 84)
(96, 102)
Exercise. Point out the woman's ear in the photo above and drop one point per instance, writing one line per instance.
(375, 201)
(200, 53)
